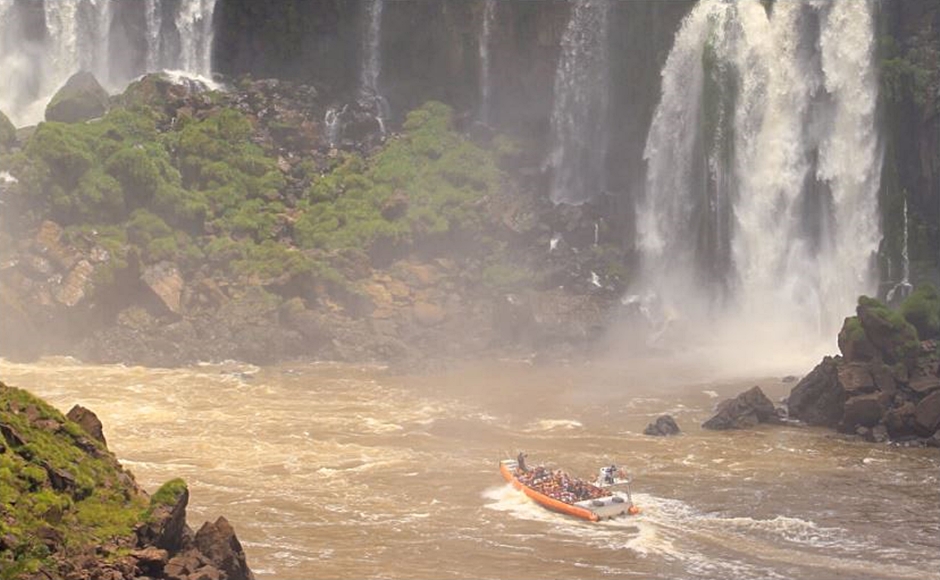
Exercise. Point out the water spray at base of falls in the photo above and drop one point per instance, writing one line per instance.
(760, 210)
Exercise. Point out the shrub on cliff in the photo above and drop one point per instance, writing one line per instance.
(423, 186)
(922, 309)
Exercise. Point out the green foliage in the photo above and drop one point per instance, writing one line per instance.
(100, 506)
(853, 330)
(169, 493)
(922, 309)
(888, 330)
(910, 71)
(425, 185)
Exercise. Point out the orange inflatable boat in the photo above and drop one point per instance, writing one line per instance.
(555, 491)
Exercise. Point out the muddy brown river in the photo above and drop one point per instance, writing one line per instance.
(333, 471)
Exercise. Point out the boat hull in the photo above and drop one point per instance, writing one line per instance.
(590, 510)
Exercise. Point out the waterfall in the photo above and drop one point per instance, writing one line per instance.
(763, 166)
(579, 113)
(37, 56)
(903, 288)
(371, 66)
(489, 14)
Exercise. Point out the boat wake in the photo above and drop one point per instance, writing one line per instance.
(672, 530)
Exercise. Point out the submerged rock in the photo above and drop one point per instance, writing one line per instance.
(744, 411)
(663, 426)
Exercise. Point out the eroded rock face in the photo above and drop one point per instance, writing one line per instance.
(744, 411)
(166, 282)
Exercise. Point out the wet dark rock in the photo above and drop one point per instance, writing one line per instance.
(663, 426)
(927, 415)
(88, 421)
(80, 99)
(819, 398)
(217, 541)
(744, 411)
(166, 528)
(899, 421)
(862, 411)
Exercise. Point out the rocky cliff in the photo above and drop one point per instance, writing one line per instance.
(69, 510)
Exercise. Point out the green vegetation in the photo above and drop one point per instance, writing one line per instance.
(55, 482)
(887, 329)
(910, 71)
(922, 309)
(852, 330)
(423, 187)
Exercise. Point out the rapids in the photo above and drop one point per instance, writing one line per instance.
(333, 471)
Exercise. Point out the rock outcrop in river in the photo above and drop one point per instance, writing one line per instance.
(69, 510)
(886, 384)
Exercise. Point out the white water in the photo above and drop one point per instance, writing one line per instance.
(79, 35)
(331, 471)
(790, 214)
(579, 113)
(370, 67)
(486, 89)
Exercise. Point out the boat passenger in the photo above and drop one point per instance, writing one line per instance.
(520, 461)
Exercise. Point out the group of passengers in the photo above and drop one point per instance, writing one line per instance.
(558, 485)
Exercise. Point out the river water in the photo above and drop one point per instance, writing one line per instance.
(350, 472)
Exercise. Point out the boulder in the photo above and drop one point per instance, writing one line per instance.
(746, 410)
(819, 398)
(862, 411)
(927, 415)
(88, 421)
(856, 378)
(663, 426)
(218, 543)
(81, 98)
(900, 421)
(74, 287)
(166, 282)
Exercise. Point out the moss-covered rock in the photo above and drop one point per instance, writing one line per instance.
(60, 490)
(854, 343)
(81, 98)
(893, 336)
(7, 132)
(69, 510)
(922, 309)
